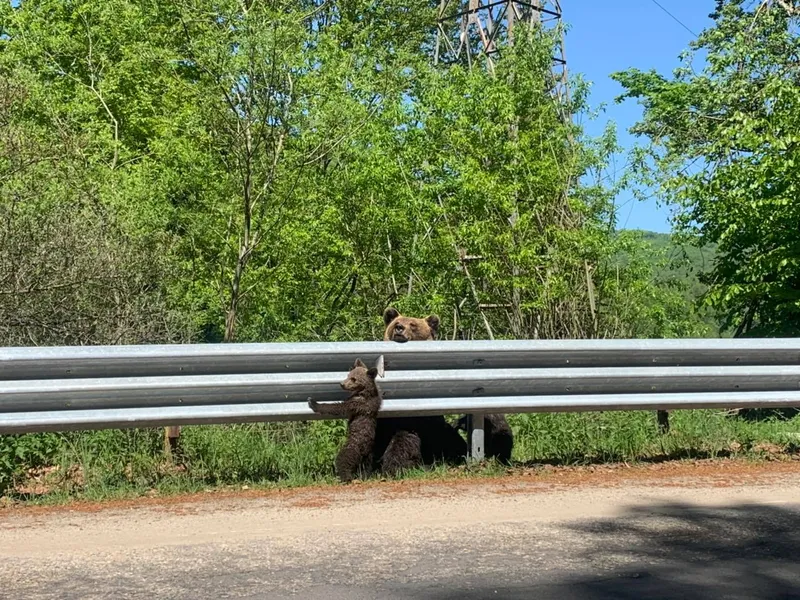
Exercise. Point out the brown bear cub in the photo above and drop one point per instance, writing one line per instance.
(406, 442)
(361, 410)
(403, 449)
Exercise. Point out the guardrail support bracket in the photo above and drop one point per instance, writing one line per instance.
(380, 364)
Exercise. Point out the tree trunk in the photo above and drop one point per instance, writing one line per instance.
(233, 305)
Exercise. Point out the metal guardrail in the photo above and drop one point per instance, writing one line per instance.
(219, 359)
(120, 418)
(137, 392)
(68, 388)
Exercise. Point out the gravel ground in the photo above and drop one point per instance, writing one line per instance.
(729, 530)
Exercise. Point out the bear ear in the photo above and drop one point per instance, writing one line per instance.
(433, 323)
(390, 314)
(359, 363)
(372, 372)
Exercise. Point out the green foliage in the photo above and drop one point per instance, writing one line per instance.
(107, 464)
(723, 146)
(630, 436)
(263, 452)
(85, 239)
(642, 298)
(284, 173)
(208, 171)
(668, 275)
(18, 453)
(682, 260)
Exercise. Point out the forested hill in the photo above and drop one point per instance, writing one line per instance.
(678, 264)
(680, 259)
(698, 259)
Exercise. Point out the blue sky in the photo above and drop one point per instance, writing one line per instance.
(612, 35)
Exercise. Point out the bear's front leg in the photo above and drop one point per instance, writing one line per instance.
(333, 409)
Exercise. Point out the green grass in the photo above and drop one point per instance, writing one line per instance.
(54, 468)
(632, 436)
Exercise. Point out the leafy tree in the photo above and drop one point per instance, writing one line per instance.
(723, 145)
(295, 168)
(648, 298)
(84, 244)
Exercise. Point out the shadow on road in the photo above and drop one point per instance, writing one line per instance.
(669, 552)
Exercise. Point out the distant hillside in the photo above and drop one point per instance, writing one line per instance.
(685, 263)
(701, 259)
(681, 261)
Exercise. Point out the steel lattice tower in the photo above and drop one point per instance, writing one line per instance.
(470, 29)
(474, 32)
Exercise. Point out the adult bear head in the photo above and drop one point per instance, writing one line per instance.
(408, 329)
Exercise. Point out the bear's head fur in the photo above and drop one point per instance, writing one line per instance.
(360, 379)
(409, 329)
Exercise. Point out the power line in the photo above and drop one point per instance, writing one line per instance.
(676, 19)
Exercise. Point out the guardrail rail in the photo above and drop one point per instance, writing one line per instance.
(96, 387)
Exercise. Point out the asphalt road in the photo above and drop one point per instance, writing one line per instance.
(675, 537)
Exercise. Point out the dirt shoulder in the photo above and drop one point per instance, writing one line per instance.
(717, 473)
(705, 529)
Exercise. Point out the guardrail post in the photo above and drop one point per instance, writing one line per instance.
(172, 436)
(476, 437)
(663, 421)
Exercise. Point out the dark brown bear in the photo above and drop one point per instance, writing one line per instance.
(361, 409)
(436, 440)
(403, 449)
(408, 329)
(407, 442)
(498, 439)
